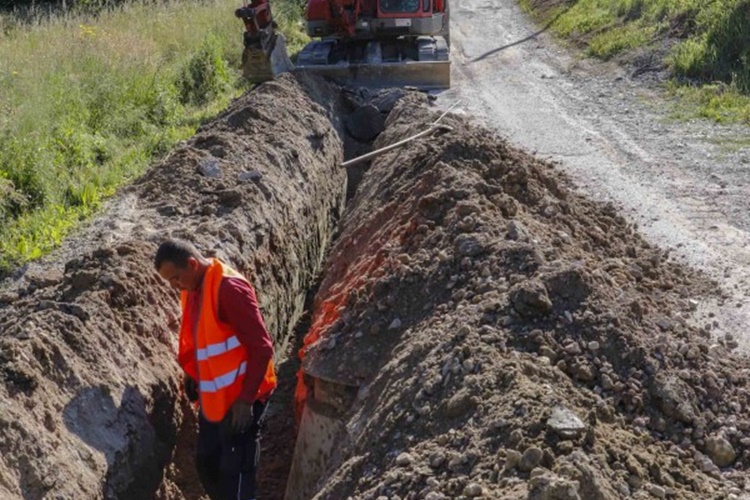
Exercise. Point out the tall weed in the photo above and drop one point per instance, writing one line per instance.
(89, 97)
(714, 39)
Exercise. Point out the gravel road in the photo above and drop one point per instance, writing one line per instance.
(686, 184)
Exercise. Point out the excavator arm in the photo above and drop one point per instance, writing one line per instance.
(256, 15)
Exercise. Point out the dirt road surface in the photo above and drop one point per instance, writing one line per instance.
(686, 184)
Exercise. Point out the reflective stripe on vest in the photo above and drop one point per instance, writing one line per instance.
(218, 348)
(223, 381)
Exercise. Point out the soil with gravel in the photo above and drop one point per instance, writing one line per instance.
(512, 339)
(509, 337)
(90, 398)
(612, 127)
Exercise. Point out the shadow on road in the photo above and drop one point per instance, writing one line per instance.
(532, 36)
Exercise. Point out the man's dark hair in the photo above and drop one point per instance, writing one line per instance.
(175, 251)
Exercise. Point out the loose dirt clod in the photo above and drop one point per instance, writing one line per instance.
(513, 339)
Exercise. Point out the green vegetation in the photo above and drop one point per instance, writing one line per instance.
(731, 144)
(88, 101)
(718, 101)
(712, 43)
(50, 5)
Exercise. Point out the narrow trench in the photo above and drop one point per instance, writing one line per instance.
(492, 297)
(280, 433)
(491, 351)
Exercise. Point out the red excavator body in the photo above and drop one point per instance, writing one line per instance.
(374, 43)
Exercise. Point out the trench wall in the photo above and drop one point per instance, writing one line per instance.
(90, 402)
(484, 331)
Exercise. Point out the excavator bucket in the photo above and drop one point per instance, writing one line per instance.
(256, 67)
(265, 57)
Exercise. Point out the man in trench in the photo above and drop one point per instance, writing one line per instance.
(227, 355)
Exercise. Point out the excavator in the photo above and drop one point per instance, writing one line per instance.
(368, 43)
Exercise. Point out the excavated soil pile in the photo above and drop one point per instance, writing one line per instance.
(90, 403)
(511, 339)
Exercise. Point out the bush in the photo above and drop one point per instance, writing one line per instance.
(205, 76)
(90, 95)
(11, 202)
(18, 167)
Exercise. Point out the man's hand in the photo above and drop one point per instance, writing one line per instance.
(242, 416)
(191, 388)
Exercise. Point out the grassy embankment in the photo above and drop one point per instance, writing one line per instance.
(707, 41)
(88, 101)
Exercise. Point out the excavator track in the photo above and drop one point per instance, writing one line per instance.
(423, 64)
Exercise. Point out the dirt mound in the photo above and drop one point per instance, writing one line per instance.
(90, 404)
(511, 339)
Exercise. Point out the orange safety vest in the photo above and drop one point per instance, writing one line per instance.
(211, 352)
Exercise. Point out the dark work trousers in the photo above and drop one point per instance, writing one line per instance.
(227, 462)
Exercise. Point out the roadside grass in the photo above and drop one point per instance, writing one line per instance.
(731, 145)
(611, 42)
(711, 47)
(718, 102)
(88, 101)
(289, 15)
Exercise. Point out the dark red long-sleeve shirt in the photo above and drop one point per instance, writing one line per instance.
(238, 307)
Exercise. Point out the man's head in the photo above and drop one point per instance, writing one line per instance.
(180, 264)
